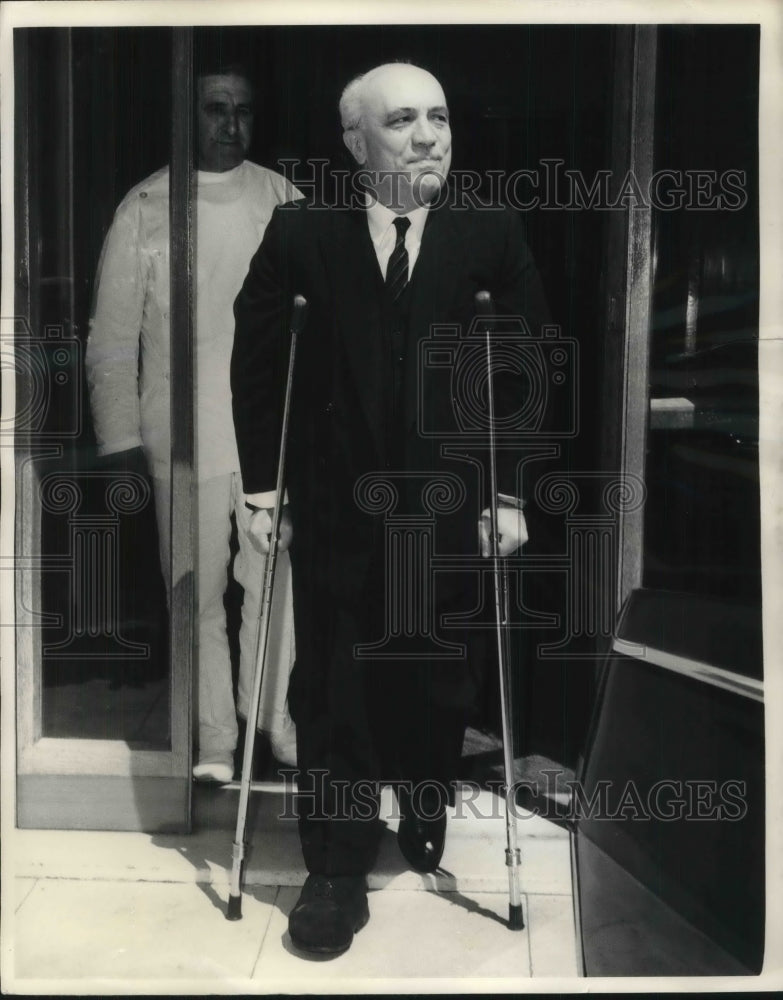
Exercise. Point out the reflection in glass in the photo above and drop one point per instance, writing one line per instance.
(702, 514)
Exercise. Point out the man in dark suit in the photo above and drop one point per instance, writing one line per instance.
(373, 701)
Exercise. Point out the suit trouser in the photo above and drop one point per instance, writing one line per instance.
(217, 499)
(363, 722)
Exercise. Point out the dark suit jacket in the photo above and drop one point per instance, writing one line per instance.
(339, 409)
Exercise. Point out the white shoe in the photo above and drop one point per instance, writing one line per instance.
(217, 771)
(283, 745)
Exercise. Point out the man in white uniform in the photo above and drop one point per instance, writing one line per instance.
(128, 364)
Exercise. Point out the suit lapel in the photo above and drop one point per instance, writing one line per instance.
(432, 291)
(355, 277)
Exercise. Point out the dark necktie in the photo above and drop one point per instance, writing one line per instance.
(397, 269)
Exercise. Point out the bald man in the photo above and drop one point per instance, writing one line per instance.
(377, 276)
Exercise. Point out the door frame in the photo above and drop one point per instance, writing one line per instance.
(628, 293)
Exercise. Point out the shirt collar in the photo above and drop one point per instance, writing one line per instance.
(380, 218)
(222, 176)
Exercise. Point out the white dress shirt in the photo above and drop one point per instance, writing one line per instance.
(384, 235)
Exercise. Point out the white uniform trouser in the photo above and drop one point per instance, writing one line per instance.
(217, 723)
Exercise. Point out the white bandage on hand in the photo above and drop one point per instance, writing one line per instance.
(260, 529)
(512, 529)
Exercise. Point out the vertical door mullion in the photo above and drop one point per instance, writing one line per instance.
(639, 294)
(183, 514)
(27, 529)
(629, 288)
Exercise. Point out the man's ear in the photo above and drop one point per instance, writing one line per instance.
(354, 140)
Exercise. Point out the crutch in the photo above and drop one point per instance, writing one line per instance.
(234, 911)
(485, 308)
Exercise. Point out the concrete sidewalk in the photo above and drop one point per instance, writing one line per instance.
(130, 912)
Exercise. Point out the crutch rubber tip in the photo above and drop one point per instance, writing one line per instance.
(234, 911)
(516, 921)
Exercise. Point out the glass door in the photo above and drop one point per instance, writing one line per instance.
(103, 664)
(669, 874)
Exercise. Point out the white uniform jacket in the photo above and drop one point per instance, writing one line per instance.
(128, 350)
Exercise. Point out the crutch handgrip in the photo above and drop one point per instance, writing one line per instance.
(298, 314)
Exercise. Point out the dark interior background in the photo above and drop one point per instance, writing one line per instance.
(702, 529)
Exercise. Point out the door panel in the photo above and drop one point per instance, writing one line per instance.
(103, 723)
(669, 826)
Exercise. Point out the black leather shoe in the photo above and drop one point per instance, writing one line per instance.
(421, 837)
(329, 911)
